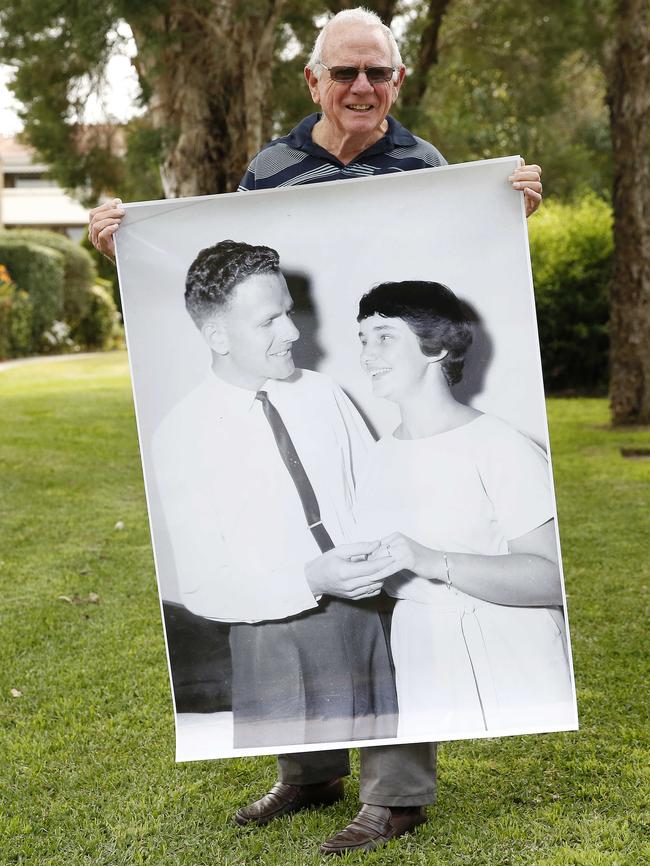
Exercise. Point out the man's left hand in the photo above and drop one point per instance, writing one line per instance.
(528, 179)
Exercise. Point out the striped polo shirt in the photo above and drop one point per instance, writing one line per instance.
(295, 159)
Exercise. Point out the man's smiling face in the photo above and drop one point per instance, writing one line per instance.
(359, 108)
(257, 331)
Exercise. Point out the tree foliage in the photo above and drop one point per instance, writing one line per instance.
(219, 77)
(514, 76)
(565, 83)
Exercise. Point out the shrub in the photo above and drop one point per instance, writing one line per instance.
(571, 249)
(57, 340)
(100, 328)
(106, 271)
(78, 266)
(21, 341)
(15, 318)
(38, 271)
(7, 289)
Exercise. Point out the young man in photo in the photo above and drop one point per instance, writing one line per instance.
(256, 469)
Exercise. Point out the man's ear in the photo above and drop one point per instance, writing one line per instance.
(401, 74)
(214, 334)
(312, 83)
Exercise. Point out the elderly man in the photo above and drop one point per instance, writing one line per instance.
(354, 75)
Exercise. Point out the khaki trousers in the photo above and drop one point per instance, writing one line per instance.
(400, 775)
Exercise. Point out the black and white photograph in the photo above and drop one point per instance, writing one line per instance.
(342, 425)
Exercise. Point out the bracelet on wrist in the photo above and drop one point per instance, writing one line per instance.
(448, 582)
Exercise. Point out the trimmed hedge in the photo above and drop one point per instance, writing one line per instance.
(99, 328)
(571, 248)
(15, 318)
(79, 269)
(106, 270)
(40, 272)
(57, 340)
(20, 324)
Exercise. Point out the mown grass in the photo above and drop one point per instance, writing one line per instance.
(88, 773)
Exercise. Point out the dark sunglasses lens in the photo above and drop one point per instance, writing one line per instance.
(344, 74)
(375, 74)
(347, 74)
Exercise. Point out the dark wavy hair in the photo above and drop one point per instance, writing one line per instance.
(432, 312)
(216, 271)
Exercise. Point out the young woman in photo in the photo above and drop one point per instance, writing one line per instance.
(463, 502)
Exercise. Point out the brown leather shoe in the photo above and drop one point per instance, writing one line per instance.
(374, 826)
(285, 799)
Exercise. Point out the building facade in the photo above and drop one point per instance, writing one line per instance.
(29, 198)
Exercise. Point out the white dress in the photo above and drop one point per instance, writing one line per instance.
(466, 666)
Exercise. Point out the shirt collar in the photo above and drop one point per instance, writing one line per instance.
(396, 135)
(234, 400)
(230, 399)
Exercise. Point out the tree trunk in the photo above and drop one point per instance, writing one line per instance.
(629, 106)
(427, 55)
(209, 89)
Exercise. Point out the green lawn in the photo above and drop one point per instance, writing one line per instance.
(88, 773)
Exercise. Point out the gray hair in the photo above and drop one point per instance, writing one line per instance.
(359, 15)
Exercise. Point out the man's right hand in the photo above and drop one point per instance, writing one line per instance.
(343, 573)
(104, 222)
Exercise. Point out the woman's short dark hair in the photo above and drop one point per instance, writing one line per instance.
(432, 312)
(217, 270)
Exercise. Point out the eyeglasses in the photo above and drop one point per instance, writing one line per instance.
(348, 74)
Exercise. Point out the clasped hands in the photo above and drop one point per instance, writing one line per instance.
(357, 571)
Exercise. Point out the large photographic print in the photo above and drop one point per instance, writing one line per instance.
(342, 425)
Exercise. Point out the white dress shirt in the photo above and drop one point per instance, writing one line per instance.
(238, 530)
